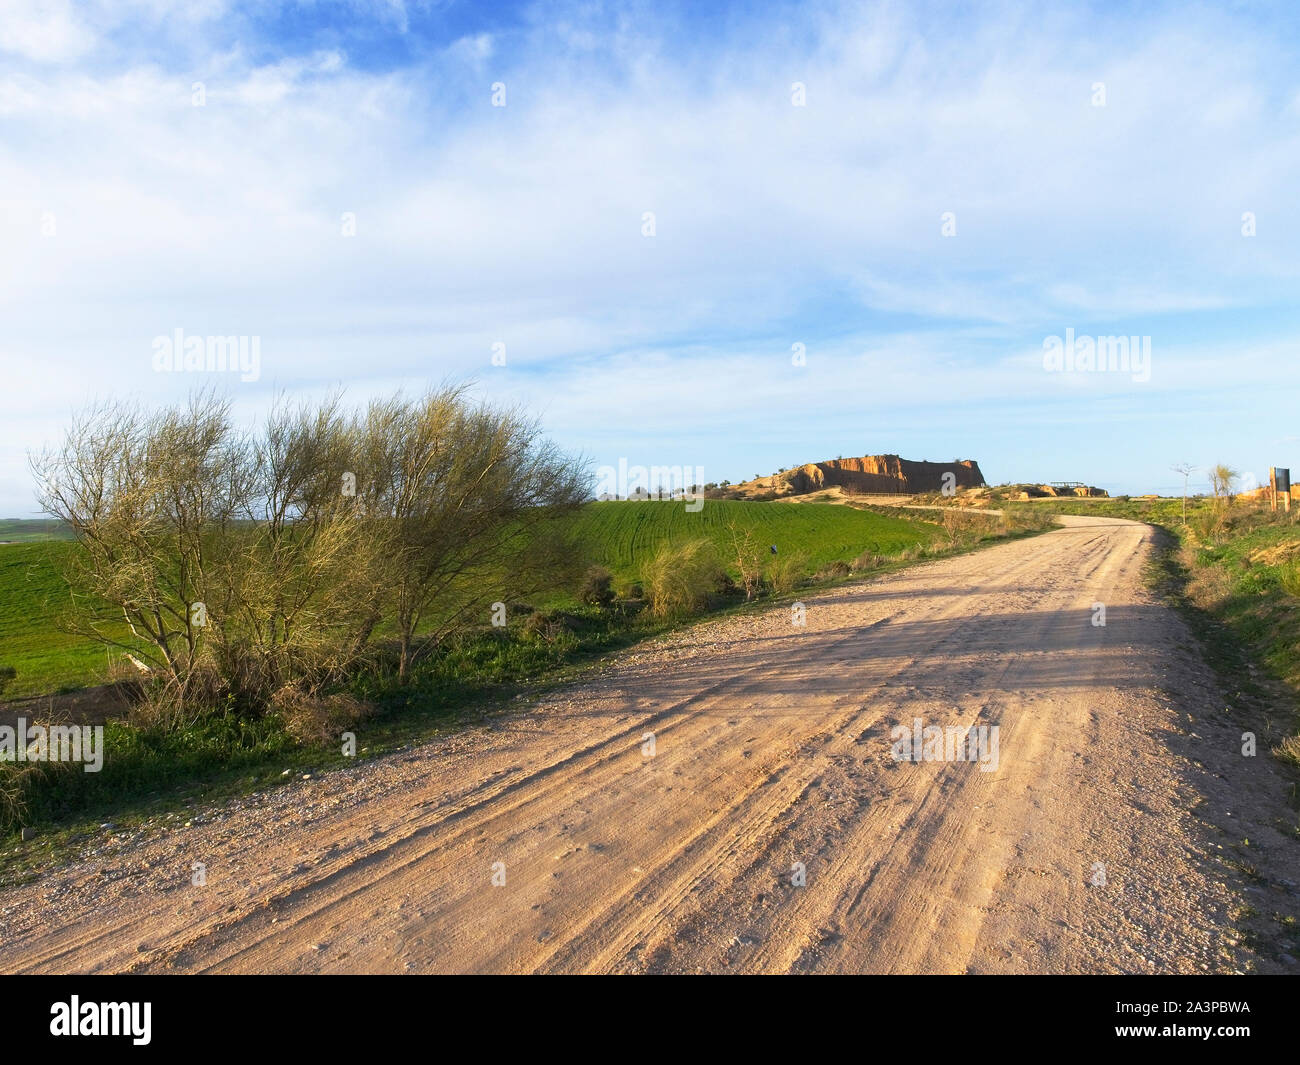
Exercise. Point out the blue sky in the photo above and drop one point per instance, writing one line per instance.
(127, 212)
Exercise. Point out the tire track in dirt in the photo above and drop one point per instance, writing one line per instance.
(772, 747)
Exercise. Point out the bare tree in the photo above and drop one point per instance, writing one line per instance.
(749, 559)
(299, 590)
(1186, 469)
(143, 494)
(467, 493)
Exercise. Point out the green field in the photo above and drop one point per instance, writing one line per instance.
(622, 535)
(618, 535)
(24, 530)
(32, 596)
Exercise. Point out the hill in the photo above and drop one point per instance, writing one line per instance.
(622, 535)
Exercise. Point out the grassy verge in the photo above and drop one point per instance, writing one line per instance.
(621, 536)
(1243, 576)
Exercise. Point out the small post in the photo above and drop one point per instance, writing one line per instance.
(1279, 480)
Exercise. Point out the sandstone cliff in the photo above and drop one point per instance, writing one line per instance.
(883, 474)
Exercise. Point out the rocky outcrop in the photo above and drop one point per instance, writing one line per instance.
(1044, 491)
(884, 475)
(1071, 490)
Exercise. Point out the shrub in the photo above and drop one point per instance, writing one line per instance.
(786, 572)
(317, 720)
(867, 560)
(1289, 750)
(832, 570)
(747, 556)
(1207, 524)
(679, 577)
(954, 524)
(1026, 519)
(546, 626)
(14, 781)
(1289, 577)
(166, 704)
(597, 587)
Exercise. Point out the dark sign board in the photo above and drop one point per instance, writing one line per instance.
(1281, 479)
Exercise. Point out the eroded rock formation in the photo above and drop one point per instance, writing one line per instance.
(884, 474)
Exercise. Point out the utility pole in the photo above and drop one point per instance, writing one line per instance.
(1185, 468)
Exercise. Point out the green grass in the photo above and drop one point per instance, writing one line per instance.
(32, 595)
(23, 530)
(622, 535)
(618, 535)
(1240, 575)
(1244, 572)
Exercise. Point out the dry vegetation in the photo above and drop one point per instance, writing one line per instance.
(260, 568)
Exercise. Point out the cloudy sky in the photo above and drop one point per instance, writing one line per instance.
(666, 210)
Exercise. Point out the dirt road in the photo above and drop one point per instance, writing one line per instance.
(1107, 839)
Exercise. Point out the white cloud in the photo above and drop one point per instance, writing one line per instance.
(523, 223)
(45, 31)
